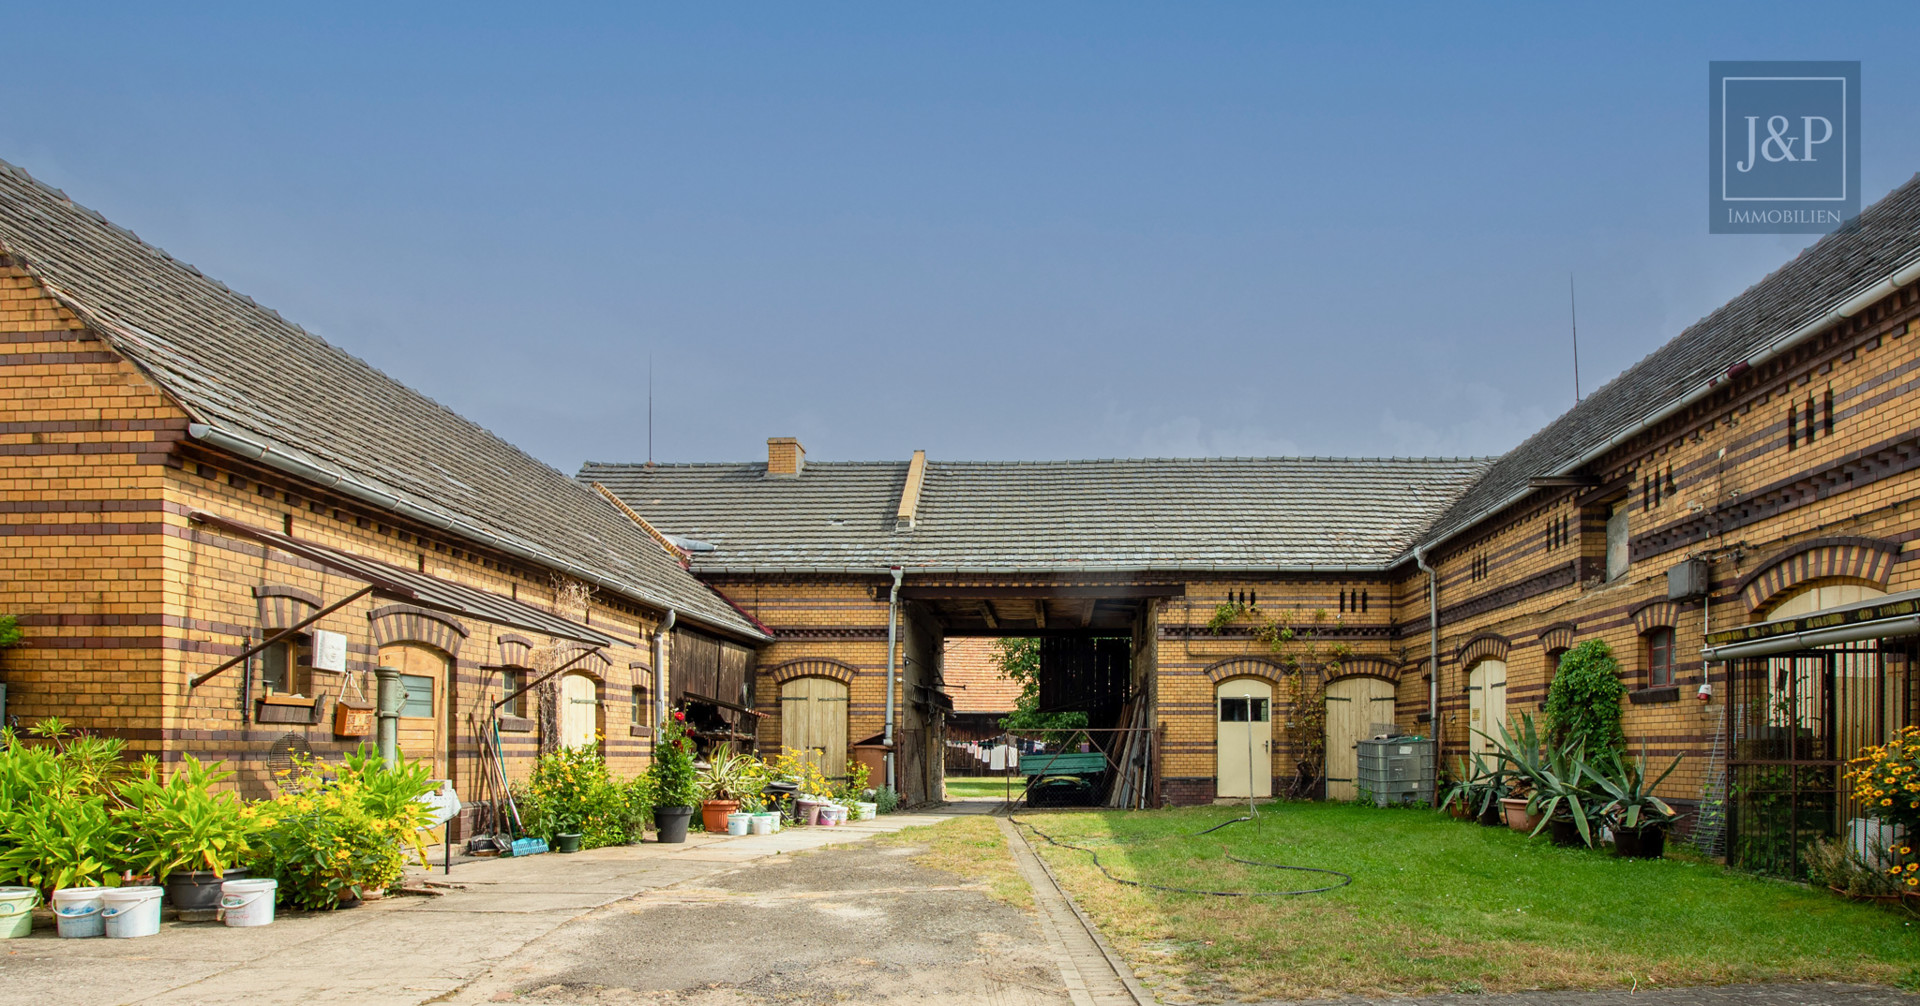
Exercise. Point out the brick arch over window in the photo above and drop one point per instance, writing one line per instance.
(404, 623)
(281, 605)
(817, 667)
(1558, 637)
(1861, 560)
(1654, 615)
(1483, 646)
(1366, 667)
(514, 649)
(1271, 671)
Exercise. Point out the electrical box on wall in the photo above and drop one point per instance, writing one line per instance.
(1687, 580)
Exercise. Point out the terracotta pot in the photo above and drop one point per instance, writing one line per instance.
(713, 815)
(1459, 811)
(1517, 817)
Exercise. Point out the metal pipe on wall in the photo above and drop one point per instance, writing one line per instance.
(660, 672)
(1433, 660)
(893, 636)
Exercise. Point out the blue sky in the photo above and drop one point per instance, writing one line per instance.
(989, 231)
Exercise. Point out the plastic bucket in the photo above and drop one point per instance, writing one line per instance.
(76, 912)
(737, 824)
(866, 811)
(832, 815)
(762, 824)
(248, 902)
(131, 911)
(16, 911)
(808, 811)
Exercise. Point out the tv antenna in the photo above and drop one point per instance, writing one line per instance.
(649, 410)
(1573, 315)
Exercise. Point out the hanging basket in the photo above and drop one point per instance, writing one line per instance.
(352, 719)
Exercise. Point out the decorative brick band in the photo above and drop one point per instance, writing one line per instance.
(514, 649)
(1868, 560)
(282, 605)
(594, 665)
(1246, 667)
(817, 667)
(1657, 614)
(405, 623)
(1482, 646)
(1558, 636)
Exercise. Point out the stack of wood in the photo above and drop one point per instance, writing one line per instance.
(1132, 759)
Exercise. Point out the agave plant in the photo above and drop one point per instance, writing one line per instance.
(1555, 776)
(1480, 785)
(1631, 803)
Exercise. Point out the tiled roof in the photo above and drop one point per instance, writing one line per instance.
(970, 668)
(243, 369)
(1822, 277)
(1192, 514)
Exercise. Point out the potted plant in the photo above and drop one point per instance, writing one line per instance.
(728, 778)
(1478, 790)
(674, 780)
(184, 833)
(1638, 818)
(1562, 798)
(1523, 760)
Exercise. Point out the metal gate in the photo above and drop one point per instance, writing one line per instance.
(1798, 718)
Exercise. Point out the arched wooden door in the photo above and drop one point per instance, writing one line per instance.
(579, 711)
(813, 721)
(1486, 704)
(422, 727)
(1355, 706)
(1243, 744)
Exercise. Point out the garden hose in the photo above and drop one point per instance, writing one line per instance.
(1345, 878)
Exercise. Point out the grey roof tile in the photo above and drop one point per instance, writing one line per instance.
(240, 367)
(1094, 516)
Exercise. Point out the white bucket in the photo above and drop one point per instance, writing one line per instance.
(248, 902)
(131, 911)
(865, 811)
(762, 824)
(737, 824)
(76, 911)
(16, 911)
(833, 815)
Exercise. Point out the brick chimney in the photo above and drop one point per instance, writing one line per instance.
(785, 457)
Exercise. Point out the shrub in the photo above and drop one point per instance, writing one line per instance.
(1834, 863)
(886, 800)
(858, 782)
(1583, 703)
(56, 829)
(795, 767)
(675, 780)
(1886, 779)
(571, 792)
(329, 839)
(182, 823)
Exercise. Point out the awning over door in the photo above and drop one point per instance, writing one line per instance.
(1875, 618)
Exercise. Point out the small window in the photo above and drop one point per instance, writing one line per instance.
(419, 701)
(1233, 710)
(1659, 658)
(1617, 542)
(639, 706)
(286, 667)
(513, 679)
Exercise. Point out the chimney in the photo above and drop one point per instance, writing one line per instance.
(785, 457)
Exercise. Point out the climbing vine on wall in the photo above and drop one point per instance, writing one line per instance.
(1308, 664)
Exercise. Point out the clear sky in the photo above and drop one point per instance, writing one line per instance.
(990, 231)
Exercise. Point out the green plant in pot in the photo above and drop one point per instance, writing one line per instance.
(728, 779)
(1639, 819)
(1478, 788)
(675, 781)
(184, 832)
(1563, 797)
(1522, 758)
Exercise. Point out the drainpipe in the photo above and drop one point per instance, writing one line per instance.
(1433, 660)
(660, 672)
(893, 635)
(389, 697)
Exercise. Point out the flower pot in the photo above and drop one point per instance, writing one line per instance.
(672, 823)
(1565, 832)
(713, 815)
(806, 811)
(1640, 843)
(567, 841)
(1459, 811)
(1495, 816)
(1515, 808)
(198, 890)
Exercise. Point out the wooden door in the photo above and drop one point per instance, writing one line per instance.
(423, 673)
(1486, 703)
(813, 721)
(579, 712)
(1243, 744)
(1356, 709)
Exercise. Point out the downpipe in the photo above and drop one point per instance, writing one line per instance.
(893, 636)
(660, 673)
(1433, 661)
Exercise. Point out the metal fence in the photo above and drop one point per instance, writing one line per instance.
(1797, 719)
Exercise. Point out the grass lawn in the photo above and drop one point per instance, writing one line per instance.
(970, 786)
(971, 847)
(1444, 905)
